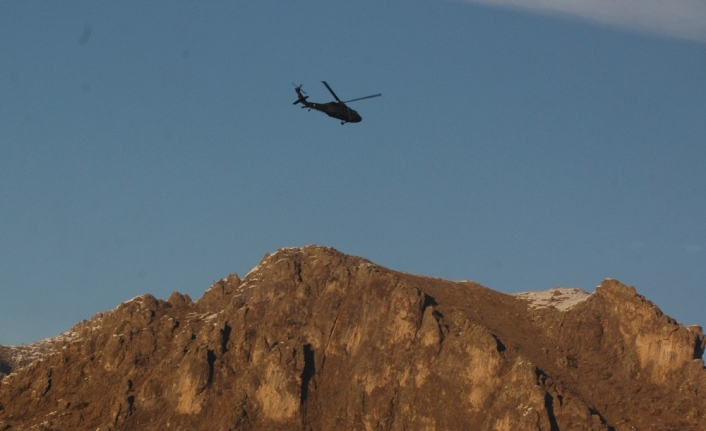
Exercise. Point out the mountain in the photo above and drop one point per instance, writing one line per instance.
(16, 357)
(314, 339)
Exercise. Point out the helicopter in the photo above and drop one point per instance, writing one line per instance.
(337, 109)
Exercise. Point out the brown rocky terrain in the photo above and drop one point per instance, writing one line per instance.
(314, 339)
(16, 357)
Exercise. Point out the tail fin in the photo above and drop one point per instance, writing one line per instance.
(300, 97)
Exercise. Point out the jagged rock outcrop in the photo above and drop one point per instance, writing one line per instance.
(314, 339)
(16, 357)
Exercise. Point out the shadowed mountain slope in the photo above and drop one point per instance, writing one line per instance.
(314, 339)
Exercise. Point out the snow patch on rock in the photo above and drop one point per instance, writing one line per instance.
(561, 298)
(23, 355)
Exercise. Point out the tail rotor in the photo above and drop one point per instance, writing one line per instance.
(300, 93)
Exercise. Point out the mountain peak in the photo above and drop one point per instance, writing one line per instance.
(312, 338)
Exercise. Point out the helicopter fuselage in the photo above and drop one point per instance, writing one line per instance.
(337, 109)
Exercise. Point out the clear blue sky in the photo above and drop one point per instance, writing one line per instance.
(147, 147)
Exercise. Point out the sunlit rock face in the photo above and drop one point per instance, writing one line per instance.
(314, 339)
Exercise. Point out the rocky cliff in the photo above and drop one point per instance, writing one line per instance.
(16, 357)
(314, 339)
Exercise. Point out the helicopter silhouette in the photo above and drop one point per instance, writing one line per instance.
(337, 109)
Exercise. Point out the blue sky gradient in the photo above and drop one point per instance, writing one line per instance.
(153, 147)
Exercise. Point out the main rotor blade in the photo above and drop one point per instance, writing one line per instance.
(329, 89)
(366, 97)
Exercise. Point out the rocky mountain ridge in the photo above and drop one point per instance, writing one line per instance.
(16, 357)
(13, 358)
(314, 339)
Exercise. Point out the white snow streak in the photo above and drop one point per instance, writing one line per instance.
(561, 298)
